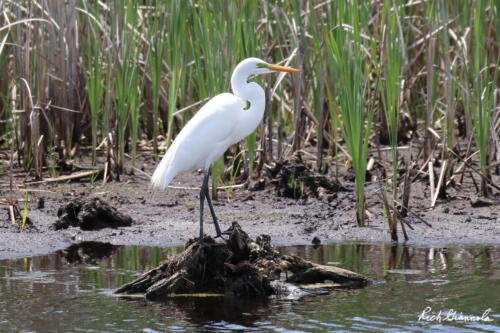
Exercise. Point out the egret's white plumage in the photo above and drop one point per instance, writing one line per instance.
(221, 122)
(204, 138)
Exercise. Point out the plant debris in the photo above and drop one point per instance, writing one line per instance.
(90, 214)
(238, 266)
(293, 178)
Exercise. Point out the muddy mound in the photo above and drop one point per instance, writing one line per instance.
(238, 266)
(90, 214)
(293, 178)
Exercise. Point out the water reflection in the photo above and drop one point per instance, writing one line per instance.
(200, 311)
(88, 252)
(50, 290)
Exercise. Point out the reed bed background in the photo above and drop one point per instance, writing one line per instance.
(106, 79)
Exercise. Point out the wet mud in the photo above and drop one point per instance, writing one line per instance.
(324, 211)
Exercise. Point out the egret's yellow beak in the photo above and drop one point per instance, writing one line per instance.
(283, 69)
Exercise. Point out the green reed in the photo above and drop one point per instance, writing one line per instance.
(392, 68)
(127, 76)
(93, 73)
(349, 67)
(155, 56)
(481, 82)
(176, 48)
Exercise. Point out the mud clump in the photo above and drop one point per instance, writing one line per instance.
(293, 178)
(238, 266)
(90, 214)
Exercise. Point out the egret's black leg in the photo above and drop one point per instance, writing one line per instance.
(212, 212)
(202, 201)
(216, 222)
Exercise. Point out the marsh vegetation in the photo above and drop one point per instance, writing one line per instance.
(393, 92)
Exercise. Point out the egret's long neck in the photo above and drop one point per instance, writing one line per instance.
(254, 94)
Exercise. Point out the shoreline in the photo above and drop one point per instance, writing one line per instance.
(170, 218)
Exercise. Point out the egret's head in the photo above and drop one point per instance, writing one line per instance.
(255, 66)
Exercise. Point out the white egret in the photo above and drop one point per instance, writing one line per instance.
(224, 120)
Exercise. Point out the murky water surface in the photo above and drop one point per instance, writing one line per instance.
(71, 290)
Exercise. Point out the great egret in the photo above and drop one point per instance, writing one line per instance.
(222, 121)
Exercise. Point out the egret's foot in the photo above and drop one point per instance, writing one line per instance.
(201, 246)
(222, 234)
(230, 230)
(202, 243)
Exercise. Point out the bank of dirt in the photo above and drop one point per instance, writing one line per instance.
(170, 218)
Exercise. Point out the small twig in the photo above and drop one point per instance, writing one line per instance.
(431, 178)
(407, 189)
(12, 217)
(461, 169)
(387, 204)
(469, 144)
(66, 178)
(36, 190)
(404, 229)
(476, 171)
(400, 148)
(60, 108)
(148, 176)
(103, 142)
(219, 188)
(105, 177)
(440, 182)
(189, 107)
(393, 223)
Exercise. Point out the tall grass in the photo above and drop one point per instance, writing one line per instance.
(93, 73)
(176, 47)
(431, 79)
(449, 116)
(392, 69)
(155, 56)
(482, 84)
(127, 75)
(350, 66)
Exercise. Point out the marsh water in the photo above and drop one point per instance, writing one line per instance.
(72, 290)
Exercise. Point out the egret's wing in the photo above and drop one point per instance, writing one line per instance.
(210, 132)
(204, 138)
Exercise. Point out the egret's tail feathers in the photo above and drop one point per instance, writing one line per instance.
(163, 174)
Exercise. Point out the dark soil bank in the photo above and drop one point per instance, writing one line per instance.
(170, 217)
